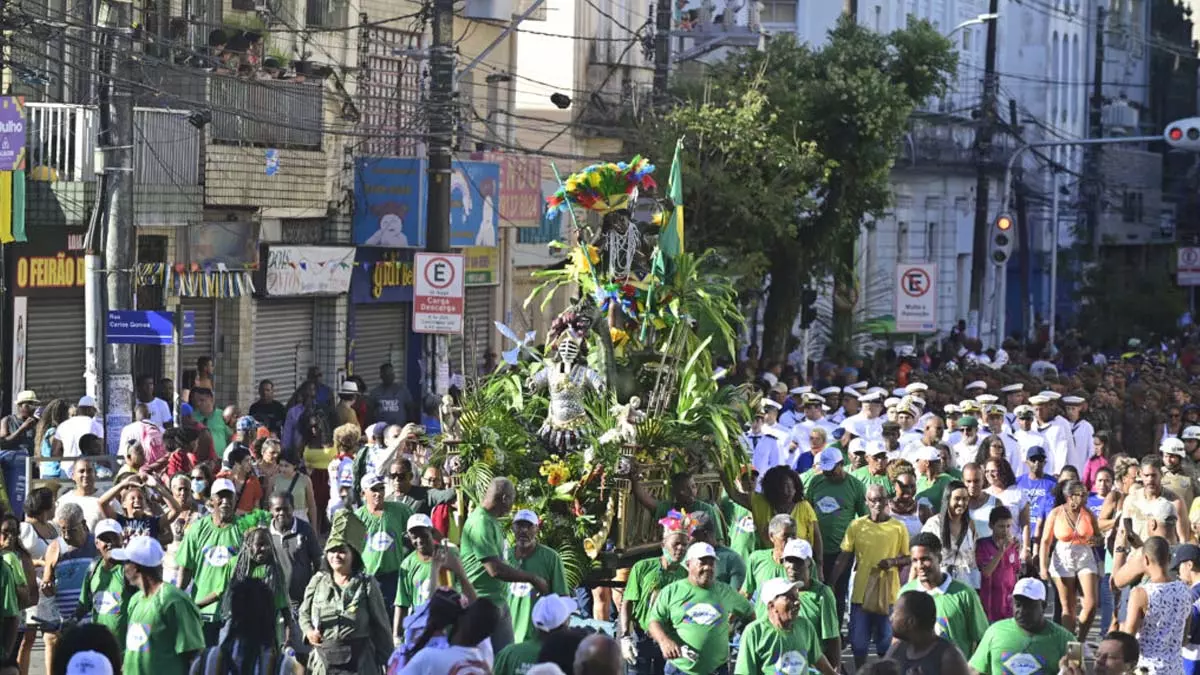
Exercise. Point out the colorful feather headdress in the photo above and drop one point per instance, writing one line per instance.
(678, 522)
(604, 187)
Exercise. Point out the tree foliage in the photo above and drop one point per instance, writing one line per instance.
(790, 148)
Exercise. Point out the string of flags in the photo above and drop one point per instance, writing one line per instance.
(197, 281)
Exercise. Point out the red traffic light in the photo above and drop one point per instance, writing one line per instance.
(1175, 134)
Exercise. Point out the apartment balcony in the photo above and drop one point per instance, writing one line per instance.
(615, 109)
(64, 162)
(936, 142)
(263, 139)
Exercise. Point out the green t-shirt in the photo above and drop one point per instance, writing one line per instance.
(665, 506)
(761, 568)
(483, 538)
(217, 428)
(731, 569)
(164, 631)
(209, 553)
(868, 479)
(9, 605)
(960, 615)
(646, 578)
(385, 547)
(819, 607)
(545, 563)
(15, 568)
(700, 618)
(742, 538)
(836, 505)
(931, 491)
(412, 590)
(516, 659)
(767, 650)
(1006, 649)
(105, 599)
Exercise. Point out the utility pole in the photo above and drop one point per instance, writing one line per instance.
(440, 162)
(850, 8)
(983, 146)
(120, 247)
(662, 53)
(1096, 130)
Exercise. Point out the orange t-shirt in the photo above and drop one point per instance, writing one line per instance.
(251, 495)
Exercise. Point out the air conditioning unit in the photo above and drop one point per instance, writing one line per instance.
(489, 10)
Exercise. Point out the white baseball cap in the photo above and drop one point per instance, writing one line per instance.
(858, 446)
(417, 520)
(829, 458)
(223, 485)
(109, 526)
(797, 548)
(527, 516)
(89, 663)
(776, 587)
(929, 454)
(1030, 588)
(1160, 510)
(699, 551)
(371, 481)
(552, 611)
(1190, 434)
(1172, 446)
(86, 402)
(141, 550)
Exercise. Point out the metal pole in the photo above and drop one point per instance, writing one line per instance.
(1012, 159)
(120, 238)
(93, 315)
(1053, 258)
(662, 52)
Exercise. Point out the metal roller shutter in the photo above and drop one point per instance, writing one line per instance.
(477, 330)
(283, 343)
(204, 309)
(380, 336)
(54, 352)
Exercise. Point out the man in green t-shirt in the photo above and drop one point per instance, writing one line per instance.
(817, 604)
(1026, 643)
(731, 569)
(483, 555)
(533, 558)
(105, 596)
(875, 472)
(692, 619)
(550, 615)
(743, 538)
(682, 499)
(838, 498)
(385, 546)
(767, 563)
(206, 556)
(960, 615)
(931, 481)
(784, 641)
(164, 630)
(414, 588)
(646, 579)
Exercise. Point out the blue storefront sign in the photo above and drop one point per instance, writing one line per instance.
(381, 276)
(140, 327)
(390, 194)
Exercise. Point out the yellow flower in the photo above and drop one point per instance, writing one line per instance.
(618, 336)
(593, 179)
(572, 184)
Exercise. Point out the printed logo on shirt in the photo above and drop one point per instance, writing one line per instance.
(520, 589)
(137, 638)
(380, 542)
(828, 505)
(702, 614)
(421, 593)
(791, 663)
(942, 627)
(217, 556)
(1021, 664)
(107, 602)
(746, 524)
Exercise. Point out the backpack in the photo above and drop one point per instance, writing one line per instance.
(151, 440)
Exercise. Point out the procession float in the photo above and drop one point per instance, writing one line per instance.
(625, 380)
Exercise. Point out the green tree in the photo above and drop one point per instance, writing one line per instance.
(790, 148)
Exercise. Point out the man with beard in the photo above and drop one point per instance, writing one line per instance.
(1026, 643)
(692, 618)
(206, 556)
(536, 559)
(647, 578)
(960, 615)
(918, 647)
(784, 641)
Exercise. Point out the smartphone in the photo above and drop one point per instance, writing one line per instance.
(1128, 523)
(1075, 654)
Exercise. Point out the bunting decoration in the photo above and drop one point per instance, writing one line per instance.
(196, 281)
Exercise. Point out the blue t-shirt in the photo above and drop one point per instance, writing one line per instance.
(1039, 492)
(1094, 504)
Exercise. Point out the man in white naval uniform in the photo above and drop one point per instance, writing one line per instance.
(906, 418)
(1027, 436)
(1014, 396)
(762, 442)
(974, 389)
(1060, 446)
(794, 416)
(872, 415)
(851, 406)
(1082, 431)
(1013, 451)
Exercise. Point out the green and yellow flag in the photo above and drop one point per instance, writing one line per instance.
(670, 239)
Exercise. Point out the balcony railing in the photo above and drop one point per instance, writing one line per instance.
(62, 144)
(244, 111)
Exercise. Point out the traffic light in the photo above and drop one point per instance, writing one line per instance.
(1003, 234)
(1184, 134)
(808, 308)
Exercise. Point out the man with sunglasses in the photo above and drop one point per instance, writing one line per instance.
(1038, 489)
(419, 498)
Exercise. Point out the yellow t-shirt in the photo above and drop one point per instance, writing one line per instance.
(802, 513)
(319, 458)
(871, 542)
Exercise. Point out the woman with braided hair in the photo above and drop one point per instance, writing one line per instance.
(249, 646)
(256, 560)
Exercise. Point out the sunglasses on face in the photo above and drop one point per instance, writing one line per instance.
(399, 476)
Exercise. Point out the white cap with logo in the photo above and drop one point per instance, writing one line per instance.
(699, 551)
(776, 587)
(552, 611)
(1030, 588)
(798, 548)
(141, 550)
(527, 516)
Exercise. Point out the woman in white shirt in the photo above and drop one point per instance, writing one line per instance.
(954, 527)
(468, 648)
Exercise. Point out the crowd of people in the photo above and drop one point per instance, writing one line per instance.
(965, 518)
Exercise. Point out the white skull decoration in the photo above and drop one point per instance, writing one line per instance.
(568, 348)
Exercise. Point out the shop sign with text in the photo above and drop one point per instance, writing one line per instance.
(382, 275)
(50, 265)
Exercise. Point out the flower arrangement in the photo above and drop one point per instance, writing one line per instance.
(604, 188)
